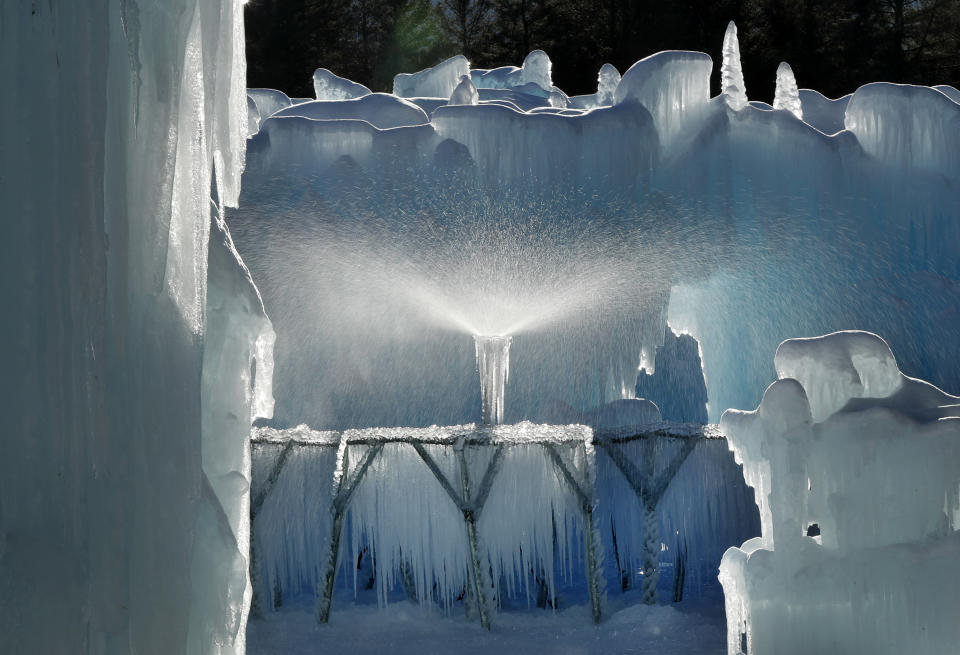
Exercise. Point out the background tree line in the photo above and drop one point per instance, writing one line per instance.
(834, 46)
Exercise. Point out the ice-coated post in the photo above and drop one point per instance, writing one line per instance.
(493, 363)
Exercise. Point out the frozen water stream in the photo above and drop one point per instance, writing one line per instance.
(493, 364)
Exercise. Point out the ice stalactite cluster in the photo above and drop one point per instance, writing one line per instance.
(856, 471)
(786, 95)
(123, 486)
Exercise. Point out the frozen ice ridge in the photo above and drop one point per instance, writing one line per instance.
(856, 471)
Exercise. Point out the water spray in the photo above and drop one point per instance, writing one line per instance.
(493, 363)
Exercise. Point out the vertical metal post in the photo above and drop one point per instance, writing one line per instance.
(325, 601)
(341, 501)
(477, 577)
(593, 582)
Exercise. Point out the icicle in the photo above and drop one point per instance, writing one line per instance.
(731, 72)
(787, 95)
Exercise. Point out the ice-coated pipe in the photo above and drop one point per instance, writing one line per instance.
(493, 363)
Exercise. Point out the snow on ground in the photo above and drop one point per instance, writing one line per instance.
(403, 628)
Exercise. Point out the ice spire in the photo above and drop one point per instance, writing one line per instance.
(787, 96)
(731, 73)
(465, 93)
(607, 82)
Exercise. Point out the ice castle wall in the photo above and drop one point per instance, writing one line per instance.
(845, 442)
(129, 117)
(758, 225)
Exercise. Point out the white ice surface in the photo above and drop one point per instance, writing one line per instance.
(405, 629)
(269, 101)
(253, 117)
(949, 91)
(823, 113)
(465, 93)
(327, 86)
(382, 110)
(438, 81)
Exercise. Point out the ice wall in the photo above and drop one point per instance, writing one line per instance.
(744, 227)
(674, 86)
(823, 113)
(676, 385)
(131, 116)
(236, 389)
(856, 471)
(907, 127)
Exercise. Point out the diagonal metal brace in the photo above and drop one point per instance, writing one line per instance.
(347, 489)
(271, 480)
(441, 478)
(568, 477)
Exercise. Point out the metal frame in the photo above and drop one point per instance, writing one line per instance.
(648, 491)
